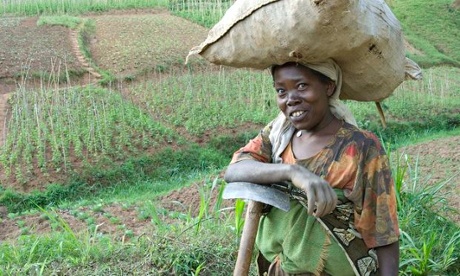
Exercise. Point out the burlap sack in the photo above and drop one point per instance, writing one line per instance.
(362, 36)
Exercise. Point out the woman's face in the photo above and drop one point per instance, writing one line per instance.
(302, 96)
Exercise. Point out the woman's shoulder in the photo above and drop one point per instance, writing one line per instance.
(360, 136)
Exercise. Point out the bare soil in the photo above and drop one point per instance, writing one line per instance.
(438, 162)
(30, 47)
(456, 4)
(165, 41)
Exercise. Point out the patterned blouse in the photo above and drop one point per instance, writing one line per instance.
(355, 162)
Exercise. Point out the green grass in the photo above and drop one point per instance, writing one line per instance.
(416, 108)
(165, 253)
(181, 243)
(131, 180)
(205, 13)
(429, 241)
(432, 27)
(61, 20)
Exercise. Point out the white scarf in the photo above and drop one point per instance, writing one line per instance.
(330, 69)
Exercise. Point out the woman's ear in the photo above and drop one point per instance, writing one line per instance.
(330, 89)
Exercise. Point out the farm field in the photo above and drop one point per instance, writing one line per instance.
(23, 47)
(107, 109)
(119, 49)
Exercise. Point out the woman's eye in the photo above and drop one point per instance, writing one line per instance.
(279, 90)
(302, 86)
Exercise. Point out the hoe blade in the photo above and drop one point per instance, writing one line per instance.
(259, 193)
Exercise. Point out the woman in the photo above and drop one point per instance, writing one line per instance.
(350, 217)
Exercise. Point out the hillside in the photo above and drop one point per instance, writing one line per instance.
(108, 44)
(438, 44)
(105, 132)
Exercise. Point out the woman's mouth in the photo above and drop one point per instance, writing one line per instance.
(296, 114)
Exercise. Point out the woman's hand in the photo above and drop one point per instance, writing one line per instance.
(319, 193)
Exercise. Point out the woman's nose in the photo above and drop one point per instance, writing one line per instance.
(292, 98)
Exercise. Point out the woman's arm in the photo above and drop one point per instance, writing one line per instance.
(388, 257)
(319, 193)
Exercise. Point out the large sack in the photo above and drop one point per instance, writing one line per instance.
(362, 36)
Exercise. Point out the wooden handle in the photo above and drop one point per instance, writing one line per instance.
(381, 114)
(248, 237)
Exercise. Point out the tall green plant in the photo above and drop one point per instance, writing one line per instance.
(36, 7)
(428, 240)
(206, 13)
(54, 124)
(239, 216)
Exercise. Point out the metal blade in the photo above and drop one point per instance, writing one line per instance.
(257, 192)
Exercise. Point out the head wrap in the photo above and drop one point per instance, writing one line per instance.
(331, 70)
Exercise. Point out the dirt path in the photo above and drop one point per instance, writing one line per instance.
(73, 36)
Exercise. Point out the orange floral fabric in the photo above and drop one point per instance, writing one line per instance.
(355, 162)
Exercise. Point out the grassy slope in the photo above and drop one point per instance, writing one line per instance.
(172, 172)
(432, 27)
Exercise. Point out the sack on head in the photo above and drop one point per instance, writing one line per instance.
(362, 36)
